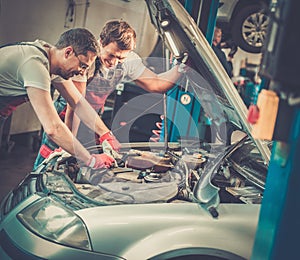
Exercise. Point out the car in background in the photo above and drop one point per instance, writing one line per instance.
(197, 198)
(245, 22)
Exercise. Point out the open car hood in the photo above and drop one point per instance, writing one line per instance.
(208, 79)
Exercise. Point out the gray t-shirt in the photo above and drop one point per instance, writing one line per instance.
(103, 81)
(22, 66)
(132, 68)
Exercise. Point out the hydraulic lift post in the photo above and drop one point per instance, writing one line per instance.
(204, 13)
(279, 226)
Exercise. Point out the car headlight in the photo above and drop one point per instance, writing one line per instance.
(50, 220)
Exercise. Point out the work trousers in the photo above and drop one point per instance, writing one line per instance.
(47, 145)
(8, 104)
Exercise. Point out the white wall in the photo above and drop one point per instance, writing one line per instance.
(241, 56)
(27, 20)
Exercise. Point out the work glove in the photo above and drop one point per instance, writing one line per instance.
(233, 51)
(106, 147)
(58, 152)
(253, 114)
(102, 160)
(230, 44)
(183, 62)
(111, 139)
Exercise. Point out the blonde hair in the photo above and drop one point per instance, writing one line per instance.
(120, 32)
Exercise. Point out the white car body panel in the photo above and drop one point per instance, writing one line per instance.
(144, 231)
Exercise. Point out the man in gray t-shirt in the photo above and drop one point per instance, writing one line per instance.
(26, 71)
(116, 63)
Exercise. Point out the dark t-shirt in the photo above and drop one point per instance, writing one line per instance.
(222, 57)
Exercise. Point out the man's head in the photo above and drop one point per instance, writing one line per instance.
(79, 48)
(117, 39)
(217, 36)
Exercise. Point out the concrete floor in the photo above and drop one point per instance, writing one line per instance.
(14, 165)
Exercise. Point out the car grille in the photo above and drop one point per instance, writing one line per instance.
(30, 185)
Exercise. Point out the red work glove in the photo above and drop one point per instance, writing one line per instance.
(100, 161)
(253, 114)
(111, 139)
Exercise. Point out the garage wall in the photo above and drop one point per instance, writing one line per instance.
(27, 20)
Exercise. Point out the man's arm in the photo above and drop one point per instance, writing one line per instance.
(81, 107)
(42, 104)
(159, 83)
(86, 113)
(71, 119)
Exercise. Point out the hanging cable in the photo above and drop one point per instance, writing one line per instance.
(87, 5)
(157, 132)
(70, 14)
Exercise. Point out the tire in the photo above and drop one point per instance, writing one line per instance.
(249, 28)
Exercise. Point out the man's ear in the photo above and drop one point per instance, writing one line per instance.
(68, 51)
(100, 43)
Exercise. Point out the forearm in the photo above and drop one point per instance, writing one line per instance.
(72, 120)
(75, 125)
(158, 83)
(168, 79)
(89, 117)
(82, 108)
(53, 126)
(63, 137)
(69, 117)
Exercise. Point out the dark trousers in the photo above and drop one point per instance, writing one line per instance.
(47, 145)
(7, 106)
(2, 122)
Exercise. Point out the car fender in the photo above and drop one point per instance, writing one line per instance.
(144, 231)
(182, 240)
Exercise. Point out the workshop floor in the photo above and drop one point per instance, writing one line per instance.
(14, 165)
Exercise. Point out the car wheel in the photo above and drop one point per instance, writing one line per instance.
(249, 28)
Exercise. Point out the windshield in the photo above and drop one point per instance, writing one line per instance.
(207, 79)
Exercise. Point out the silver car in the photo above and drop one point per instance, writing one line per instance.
(196, 198)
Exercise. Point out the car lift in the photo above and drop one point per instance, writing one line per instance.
(180, 101)
(279, 226)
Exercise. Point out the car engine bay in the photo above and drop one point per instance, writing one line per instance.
(146, 173)
(141, 176)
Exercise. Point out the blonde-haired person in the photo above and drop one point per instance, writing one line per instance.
(218, 45)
